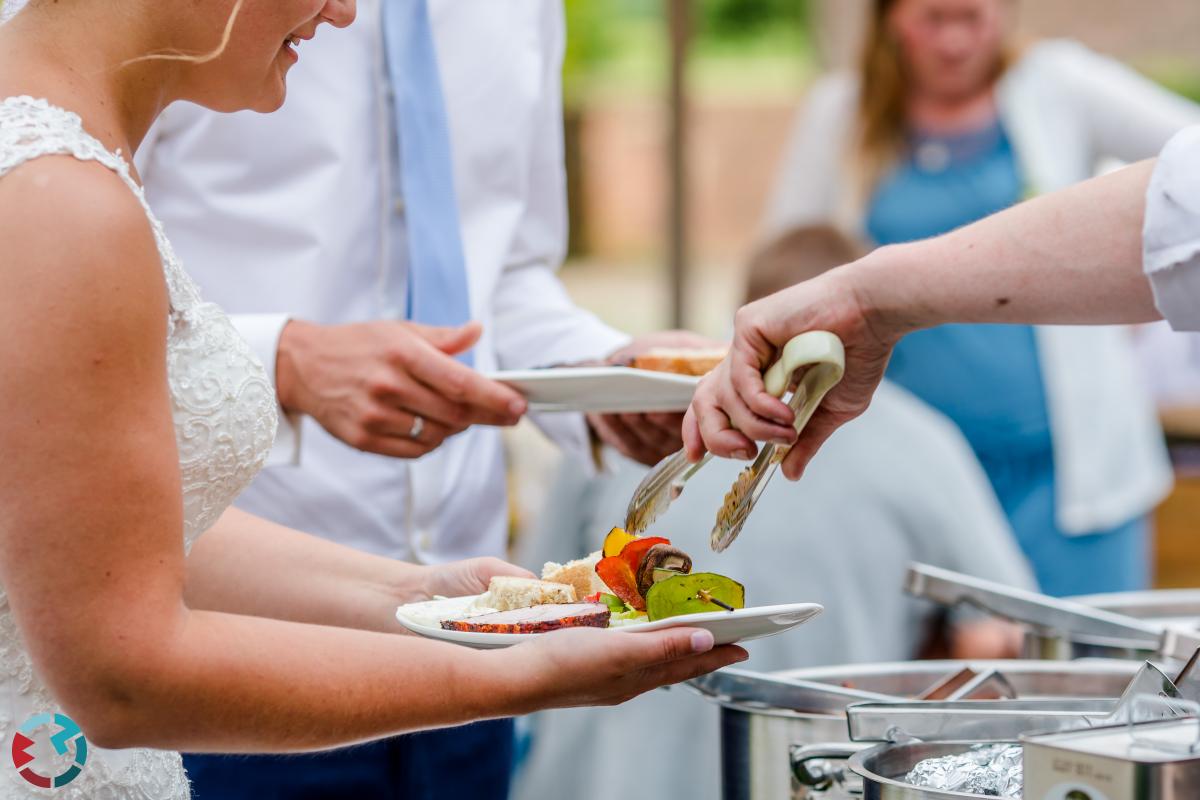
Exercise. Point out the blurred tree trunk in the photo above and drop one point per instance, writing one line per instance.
(838, 25)
(578, 242)
(679, 31)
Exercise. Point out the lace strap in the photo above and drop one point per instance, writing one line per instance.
(32, 128)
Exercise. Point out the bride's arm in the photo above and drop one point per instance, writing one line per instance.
(247, 565)
(91, 554)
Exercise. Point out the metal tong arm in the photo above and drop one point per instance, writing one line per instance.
(741, 685)
(974, 720)
(665, 481)
(824, 356)
(1049, 613)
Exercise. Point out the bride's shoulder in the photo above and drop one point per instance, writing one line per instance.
(79, 252)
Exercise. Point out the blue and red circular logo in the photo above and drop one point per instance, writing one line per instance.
(67, 741)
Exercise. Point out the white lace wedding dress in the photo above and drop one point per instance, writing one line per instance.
(225, 418)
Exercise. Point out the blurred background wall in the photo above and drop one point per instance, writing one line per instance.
(749, 64)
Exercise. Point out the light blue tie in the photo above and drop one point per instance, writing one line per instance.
(437, 277)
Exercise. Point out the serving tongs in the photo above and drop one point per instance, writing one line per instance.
(733, 685)
(822, 358)
(1049, 614)
(965, 721)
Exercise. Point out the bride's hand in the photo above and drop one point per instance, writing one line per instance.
(732, 409)
(591, 667)
(462, 578)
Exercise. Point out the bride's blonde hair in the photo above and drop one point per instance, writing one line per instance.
(191, 57)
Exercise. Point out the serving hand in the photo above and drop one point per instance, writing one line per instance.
(732, 408)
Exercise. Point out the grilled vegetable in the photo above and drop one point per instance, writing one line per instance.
(617, 575)
(633, 553)
(615, 542)
(614, 603)
(693, 594)
(670, 560)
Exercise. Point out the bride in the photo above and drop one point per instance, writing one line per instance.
(133, 599)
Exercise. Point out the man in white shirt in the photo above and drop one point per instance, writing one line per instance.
(301, 224)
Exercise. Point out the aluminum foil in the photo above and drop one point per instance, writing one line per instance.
(991, 770)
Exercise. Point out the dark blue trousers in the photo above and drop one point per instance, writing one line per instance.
(474, 761)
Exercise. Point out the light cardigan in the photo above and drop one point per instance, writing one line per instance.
(1065, 109)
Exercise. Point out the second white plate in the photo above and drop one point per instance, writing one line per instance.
(600, 389)
(727, 627)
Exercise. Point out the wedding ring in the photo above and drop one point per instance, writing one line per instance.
(417, 426)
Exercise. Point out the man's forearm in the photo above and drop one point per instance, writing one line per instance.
(247, 565)
(1071, 257)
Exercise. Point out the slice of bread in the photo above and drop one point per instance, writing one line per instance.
(507, 593)
(580, 574)
(681, 361)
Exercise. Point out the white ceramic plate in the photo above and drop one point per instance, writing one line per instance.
(600, 389)
(727, 626)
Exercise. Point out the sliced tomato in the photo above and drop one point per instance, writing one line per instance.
(618, 576)
(592, 598)
(633, 553)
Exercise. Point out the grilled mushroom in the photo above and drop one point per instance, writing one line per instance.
(661, 556)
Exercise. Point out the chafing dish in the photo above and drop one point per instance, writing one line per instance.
(784, 734)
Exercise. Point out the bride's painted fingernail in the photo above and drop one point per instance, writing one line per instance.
(702, 641)
(742, 455)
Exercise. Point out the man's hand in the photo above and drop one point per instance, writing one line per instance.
(368, 383)
(646, 438)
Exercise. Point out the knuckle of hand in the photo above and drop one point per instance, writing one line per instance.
(372, 420)
(459, 416)
(456, 385)
(360, 439)
(380, 386)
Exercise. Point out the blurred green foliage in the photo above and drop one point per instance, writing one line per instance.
(622, 43)
(734, 21)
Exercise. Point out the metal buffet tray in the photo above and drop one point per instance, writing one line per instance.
(1049, 613)
(972, 721)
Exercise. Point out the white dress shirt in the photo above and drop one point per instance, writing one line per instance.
(293, 214)
(1171, 235)
(1065, 109)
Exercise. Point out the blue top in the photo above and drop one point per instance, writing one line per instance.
(984, 377)
(987, 378)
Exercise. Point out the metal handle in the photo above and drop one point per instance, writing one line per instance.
(812, 764)
(780, 691)
(1049, 613)
(814, 347)
(973, 720)
(825, 356)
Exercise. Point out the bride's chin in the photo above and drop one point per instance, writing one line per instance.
(272, 100)
(274, 91)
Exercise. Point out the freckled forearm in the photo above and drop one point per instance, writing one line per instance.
(1072, 257)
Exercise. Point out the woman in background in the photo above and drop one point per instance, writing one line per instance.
(945, 123)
